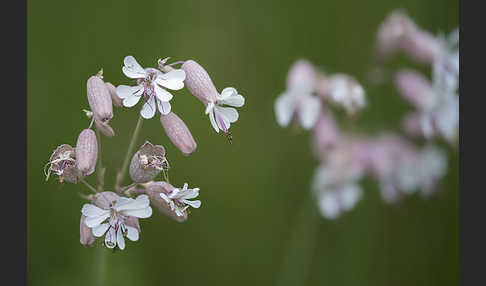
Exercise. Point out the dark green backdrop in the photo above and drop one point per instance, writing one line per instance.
(252, 191)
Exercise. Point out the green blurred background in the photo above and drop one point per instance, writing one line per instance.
(251, 229)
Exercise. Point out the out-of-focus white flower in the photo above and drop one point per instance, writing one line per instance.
(346, 92)
(179, 200)
(117, 210)
(151, 84)
(298, 99)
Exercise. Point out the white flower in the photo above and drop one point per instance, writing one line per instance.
(179, 200)
(116, 212)
(298, 98)
(346, 92)
(150, 86)
(222, 117)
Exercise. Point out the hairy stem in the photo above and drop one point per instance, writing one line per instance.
(300, 246)
(121, 174)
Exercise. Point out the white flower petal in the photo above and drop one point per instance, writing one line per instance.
(162, 94)
(174, 79)
(90, 210)
(164, 107)
(142, 201)
(140, 213)
(96, 220)
(284, 109)
(119, 238)
(194, 204)
(231, 97)
(309, 112)
(222, 121)
(189, 194)
(213, 121)
(132, 233)
(329, 206)
(131, 101)
(125, 91)
(229, 113)
(165, 197)
(110, 238)
(100, 229)
(149, 108)
(132, 69)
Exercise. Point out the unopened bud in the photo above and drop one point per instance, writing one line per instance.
(133, 222)
(198, 82)
(105, 128)
(105, 200)
(147, 163)
(413, 87)
(421, 46)
(86, 152)
(86, 236)
(153, 190)
(178, 133)
(99, 98)
(325, 133)
(117, 101)
(63, 163)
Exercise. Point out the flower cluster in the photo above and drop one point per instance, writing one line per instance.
(114, 214)
(398, 165)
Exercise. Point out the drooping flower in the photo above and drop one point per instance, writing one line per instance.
(112, 214)
(298, 99)
(201, 86)
(179, 199)
(151, 84)
(63, 163)
(153, 189)
(147, 163)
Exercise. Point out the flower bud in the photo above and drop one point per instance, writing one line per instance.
(198, 82)
(178, 133)
(153, 190)
(392, 33)
(325, 133)
(99, 98)
(413, 87)
(104, 128)
(86, 152)
(117, 101)
(86, 236)
(105, 199)
(421, 46)
(133, 222)
(301, 75)
(147, 163)
(63, 163)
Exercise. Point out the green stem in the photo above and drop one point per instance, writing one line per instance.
(88, 185)
(301, 245)
(100, 266)
(121, 174)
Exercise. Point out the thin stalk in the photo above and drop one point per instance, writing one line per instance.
(101, 265)
(89, 186)
(300, 247)
(121, 174)
(101, 170)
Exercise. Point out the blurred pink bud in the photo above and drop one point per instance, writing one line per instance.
(326, 133)
(413, 87)
(301, 75)
(117, 101)
(104, 128)
(412, 124)
(178, 133)
(86, 236)
(63, 163)
(86, 152)
(421, 46)
(199, 83)
(147, 163)
(153, 190)
(99, 98)
(392, 33)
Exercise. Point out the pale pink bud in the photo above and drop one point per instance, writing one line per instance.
(99, 98)
(421, 46)
(105, 200)
(412, 124)
(63, 163)
(115, 99)
(392, 33)
(86, 236)
(153, 190)
(105, 128)
(199, 83)
(326, 134)
(86, 152)
(413, 87)
(147, 163)
(301, 75)
(133, 222)
(178, 133)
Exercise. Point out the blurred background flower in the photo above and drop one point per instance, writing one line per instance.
(256, 217)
